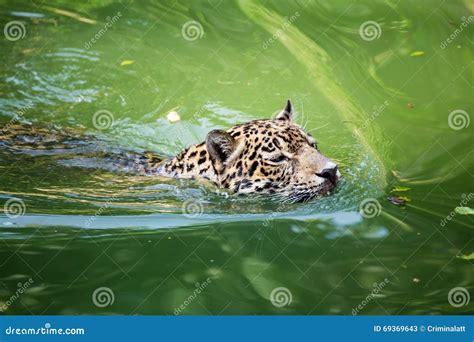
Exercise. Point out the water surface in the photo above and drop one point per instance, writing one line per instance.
(377, 105)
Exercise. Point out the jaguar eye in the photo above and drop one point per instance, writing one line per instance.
(279, 158)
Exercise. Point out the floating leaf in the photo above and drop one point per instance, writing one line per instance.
(466, 257)
(417, 53)
(71, 15)
(398, 200)
(127, 62)
(400, 189)
(396, 173)
(464, 210)
(173, 116)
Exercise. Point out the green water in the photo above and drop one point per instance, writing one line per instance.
(374, 106)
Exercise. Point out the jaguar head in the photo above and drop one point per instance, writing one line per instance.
(275, 157)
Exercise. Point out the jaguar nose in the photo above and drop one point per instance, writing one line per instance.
(330, 174)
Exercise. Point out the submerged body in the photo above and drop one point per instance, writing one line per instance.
(272, 157)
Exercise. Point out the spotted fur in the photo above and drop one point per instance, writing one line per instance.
(271, 157)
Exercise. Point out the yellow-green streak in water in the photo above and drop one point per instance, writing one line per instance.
(317, 61)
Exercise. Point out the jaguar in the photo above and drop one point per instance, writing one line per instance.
(272, 157)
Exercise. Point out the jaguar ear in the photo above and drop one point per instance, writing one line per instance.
(287, 112)
(220, 146)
